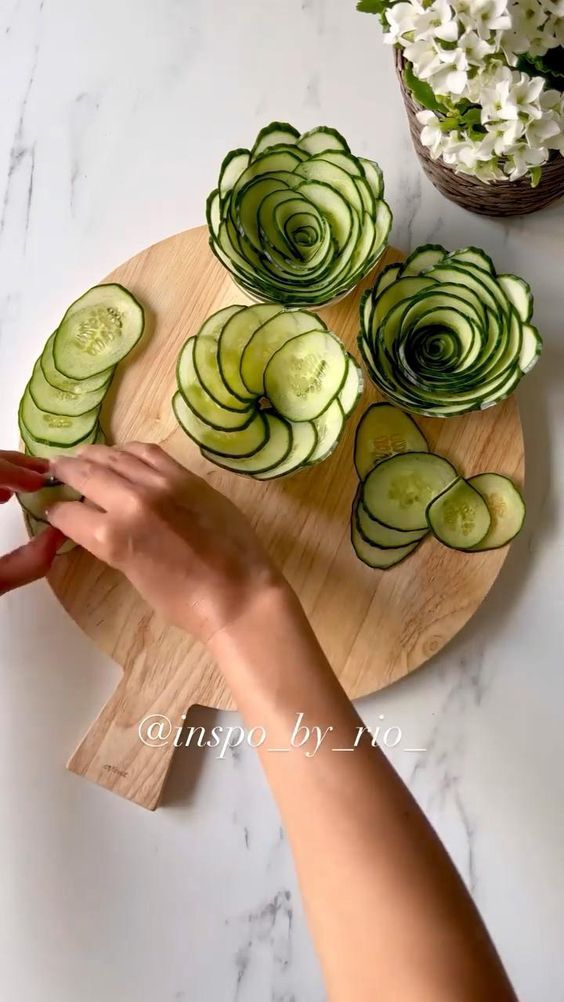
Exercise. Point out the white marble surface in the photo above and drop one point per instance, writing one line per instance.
(115, 116)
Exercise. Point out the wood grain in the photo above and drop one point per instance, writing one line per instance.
(374, 626)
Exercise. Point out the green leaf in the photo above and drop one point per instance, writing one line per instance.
(550, 66)
(422, 92)
(535, 175)
(372, 6)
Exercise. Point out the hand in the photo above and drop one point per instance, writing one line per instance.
(33, 560)
(189, 552)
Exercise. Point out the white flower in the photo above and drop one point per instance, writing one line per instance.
(487, 16)
(402, 19)
(432, 135)
(522, 159)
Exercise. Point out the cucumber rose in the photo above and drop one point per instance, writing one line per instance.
(298, 220)
(444, 333)
(265, 391)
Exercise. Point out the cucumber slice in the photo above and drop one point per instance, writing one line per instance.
(60, 382)
(519, 295)
(306, 375)
(233, 340)
(55, 429)
(423, 258)
(232, 167)
(459, 517)
(45, 451)
(304, 441)
(97, 331)
(398, 491)
(475, 256)
(380, 535)
(322, 138)
(384, 431)
(268, 339)
(275, 134)
(506, 508)
(65, 402)
(199, 400)
(36, 503)
(329, 427)
(377, 557)
(386, 278)
(206, 359)
(239, 443)
(374, 177)
(270, 457)
(530, 348)
(352, 387)
(35, 527)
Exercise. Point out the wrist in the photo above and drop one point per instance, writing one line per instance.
(269, 609)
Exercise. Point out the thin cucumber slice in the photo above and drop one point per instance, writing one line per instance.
(199, 400)
(505, 505)
(386, 278)
(329, 427)
(304, 440)
(206, 359)
(275, 134)
(36, 503)
(380, 535)
(35, 527)
(60, 382)
(306, 375)
(233, 340)
(97, 331)
(423, 258)
(377, 557)
(231, 169)
(384, 431)
(268, 339)
(322, 138)
(241, 443)
(475, 256)
(65, 402)
(531, 348)
(518, 292)
(352, 387)
(459, 517)
(45, 451)
(270, 457)
(398, 491)
(374, 177)
(55, 429)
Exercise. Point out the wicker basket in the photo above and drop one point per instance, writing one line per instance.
(498, 198)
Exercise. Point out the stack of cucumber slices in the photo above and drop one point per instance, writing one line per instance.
(265, 391)
(443, 333)
(298, 220)
(60, 408)
(407, 492)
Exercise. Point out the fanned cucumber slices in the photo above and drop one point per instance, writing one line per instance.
(265, 391)
(298, 219)
(407, 492)
(60, 408)
(443, 333)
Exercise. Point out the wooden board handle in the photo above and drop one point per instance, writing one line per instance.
(129, 747)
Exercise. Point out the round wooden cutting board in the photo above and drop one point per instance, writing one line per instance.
(374, 626)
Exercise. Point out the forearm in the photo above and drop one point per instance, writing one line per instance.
(372, 871)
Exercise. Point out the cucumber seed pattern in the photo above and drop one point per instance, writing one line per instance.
(99, 328)
(306, 374)
(410, 489)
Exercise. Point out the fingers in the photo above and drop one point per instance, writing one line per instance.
(98, 482)
(18, 477)
(126, 464)
(21, 459)
(29, 562)
(5, 495)
(80, 522)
